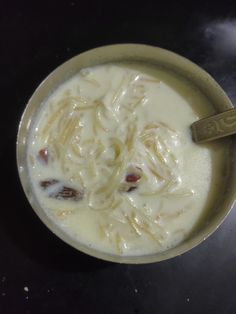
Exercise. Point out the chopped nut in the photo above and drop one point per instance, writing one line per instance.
(67, 193)
(64, 213)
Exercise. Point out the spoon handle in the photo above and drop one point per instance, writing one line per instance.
(211, 128)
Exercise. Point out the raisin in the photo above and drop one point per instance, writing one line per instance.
(43, 155)
(47, 183)
(132, 177)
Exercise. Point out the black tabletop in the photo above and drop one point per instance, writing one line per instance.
(38, 272)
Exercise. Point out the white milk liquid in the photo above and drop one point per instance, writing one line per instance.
(116, 123)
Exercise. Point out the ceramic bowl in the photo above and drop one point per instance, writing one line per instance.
(152, 56)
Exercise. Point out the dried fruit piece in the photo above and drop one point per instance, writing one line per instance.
(128, 187)
(132, 188)
(43, 155)
(47, 183)
(67, 193)
(131, 180)
(61, 192)
(132, 177)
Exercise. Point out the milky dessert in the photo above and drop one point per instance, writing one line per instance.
(112, 162)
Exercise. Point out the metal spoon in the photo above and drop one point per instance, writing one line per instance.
(214, 127)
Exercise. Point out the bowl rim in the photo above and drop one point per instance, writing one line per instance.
(139, 50)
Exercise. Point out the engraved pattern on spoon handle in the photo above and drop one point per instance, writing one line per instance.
(214, 127)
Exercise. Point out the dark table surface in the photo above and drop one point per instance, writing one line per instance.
(38, 272)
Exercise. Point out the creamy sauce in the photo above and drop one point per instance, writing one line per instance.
(112, 161)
